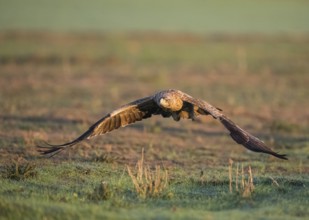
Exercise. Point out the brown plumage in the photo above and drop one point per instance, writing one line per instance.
(167, 103)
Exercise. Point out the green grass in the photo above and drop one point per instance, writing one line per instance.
(68, 190)
(54, 86)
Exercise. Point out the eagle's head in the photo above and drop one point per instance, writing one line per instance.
(172, 104)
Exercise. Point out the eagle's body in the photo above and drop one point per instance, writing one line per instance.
(167, 103)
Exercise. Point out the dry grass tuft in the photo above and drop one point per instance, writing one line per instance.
(148, 183)
(242, 181)
(274, 182)
(19, 169)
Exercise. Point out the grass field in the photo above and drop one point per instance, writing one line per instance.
(54, 86)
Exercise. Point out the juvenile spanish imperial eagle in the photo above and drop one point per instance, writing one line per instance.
(166, 103)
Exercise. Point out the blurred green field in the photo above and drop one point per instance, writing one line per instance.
(237, 16)
(54, 86)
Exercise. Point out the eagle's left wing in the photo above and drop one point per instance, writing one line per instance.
(237, 133)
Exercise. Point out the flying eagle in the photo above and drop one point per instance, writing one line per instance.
(168, 103)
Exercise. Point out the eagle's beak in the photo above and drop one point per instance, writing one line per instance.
(163, 103)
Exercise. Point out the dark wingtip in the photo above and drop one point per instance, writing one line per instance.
(49, 150)
(257, 145)
(248, 140)
(281, 156)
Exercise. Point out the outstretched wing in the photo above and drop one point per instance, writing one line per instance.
(125, 115)
(237, 133)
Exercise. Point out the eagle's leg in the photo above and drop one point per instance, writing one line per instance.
(176, 116)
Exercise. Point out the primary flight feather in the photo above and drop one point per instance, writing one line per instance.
(168, 103)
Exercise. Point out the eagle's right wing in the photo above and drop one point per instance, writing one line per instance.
(125, 115)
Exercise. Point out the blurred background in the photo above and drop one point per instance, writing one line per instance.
(197, 16)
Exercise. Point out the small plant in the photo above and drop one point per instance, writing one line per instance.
(101, 192)
(242, 185)
(19, 169)
(148, 183)
(275, 183)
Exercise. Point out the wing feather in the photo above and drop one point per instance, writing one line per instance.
(123, 120)
(128, 114)
(131, 117)
(111, 123)
(117, 121)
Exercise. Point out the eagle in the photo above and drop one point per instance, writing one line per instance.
(167, 103)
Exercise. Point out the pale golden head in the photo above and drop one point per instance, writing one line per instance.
(171, 104)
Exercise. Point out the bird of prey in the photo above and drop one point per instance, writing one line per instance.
(167, 103)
